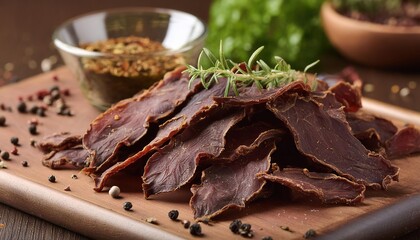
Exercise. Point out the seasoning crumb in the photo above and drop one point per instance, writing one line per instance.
(267, 238)
(14, 151)
(67, 189)
(151, 220)
(127, 206)
(5, 155)
(52, 178)
(235, 225)
(114, 191)
(286, 228)
(14, 141)
(195, 229)
(33, 142)
(25, 163)
(2, 121)
(21, 107)
(310, 234)
(117, 117)
(186, 223)
(33, 129)
(74, 176)
(173, 214)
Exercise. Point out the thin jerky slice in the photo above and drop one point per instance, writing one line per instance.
(327, 187)
(328, 141)
(405, 142)
(72, 158)
(59, 141)
(175, 164)
(198, 108)
(128, 121)
(232, 185)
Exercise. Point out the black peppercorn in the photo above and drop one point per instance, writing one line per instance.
(40, 112)
(51, 178)
(267, 238)
(14, 141)
(186, 223)
(235, 225)
(127, 206)
(310, 234)
(32, 129)
(5, 155)
(21, 107)
(34, 109)
(2, 121)
(25, 163)
(195, 229)
(173, 214)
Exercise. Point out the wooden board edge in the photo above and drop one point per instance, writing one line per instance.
(53, 206)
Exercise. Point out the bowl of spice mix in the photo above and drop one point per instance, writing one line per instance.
(117, 53)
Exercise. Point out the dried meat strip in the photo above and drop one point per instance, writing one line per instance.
(197, 108)
(175, 165)
(327, 187)
(127, 122)
(72, 158)
(328, 141)
(232, 185)
(405, 142)
(59, 141)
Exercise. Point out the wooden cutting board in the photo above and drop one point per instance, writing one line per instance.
(100, 216)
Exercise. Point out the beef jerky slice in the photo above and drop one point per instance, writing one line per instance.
(175, 164)
(72, 158)
(232, 185)
(197, 108)
(59, 141)
(328, 141)
(327, 187)
(405, 142)
(128, 121)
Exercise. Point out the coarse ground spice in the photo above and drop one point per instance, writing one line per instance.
(173, 214)
(2, 121)
(52, 178)
(5, 155)
(127, 206)
(310, 234)
(195, 229)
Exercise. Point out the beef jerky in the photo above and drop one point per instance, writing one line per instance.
(128, 121)
(232, 185)
(328, 141)
(198, 108)
(405, 142)
(175, 164)
(72, 158)
(59, 141)
(327, 187)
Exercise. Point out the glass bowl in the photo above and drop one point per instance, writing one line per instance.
(117, 53)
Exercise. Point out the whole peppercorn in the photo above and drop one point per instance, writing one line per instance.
(32, 129)
(5, 155)
(25, 163)
(40, 112)
(310, 234)
(2, 121)
(51, 178)
(173, 214)
(235, 225)
(21, 107)
(195, 229)
(185, 223)
(127, 206)
(34, 109)
(14, 141)
(114, 191)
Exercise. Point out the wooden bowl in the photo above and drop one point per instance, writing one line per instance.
(372, 44)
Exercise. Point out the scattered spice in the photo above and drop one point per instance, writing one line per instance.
(33, 129)
(245, 230)
(74, 176)
(310, 234)
(67, 189)
(173, 214)
(151, 220)
(186, 223)
(41, 112)
(127, 206)
(286, 228)
(14, 151)
(2, 165)
(14, 141)
(267, 238)
(25, 163)
(5, 155)
(2, 121)
(235, 225)
(117, 117)
(33, 109)
(114, 191)
(21, 107)
(33, 142)
(52, 178)
(195, 229)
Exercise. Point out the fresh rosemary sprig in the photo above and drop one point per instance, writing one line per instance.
(254, 71)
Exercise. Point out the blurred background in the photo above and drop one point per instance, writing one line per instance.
(26, 48)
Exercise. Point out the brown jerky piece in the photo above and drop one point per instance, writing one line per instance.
(128, 121)
(198, 108)
(328, 141)
(233, 184)
(175, 164)
(72, 158)
(405, 142)
(327, 187)
(59, 141)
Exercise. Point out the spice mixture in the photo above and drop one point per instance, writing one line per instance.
(135, 64)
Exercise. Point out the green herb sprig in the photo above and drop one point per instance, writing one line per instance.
(247, 73)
